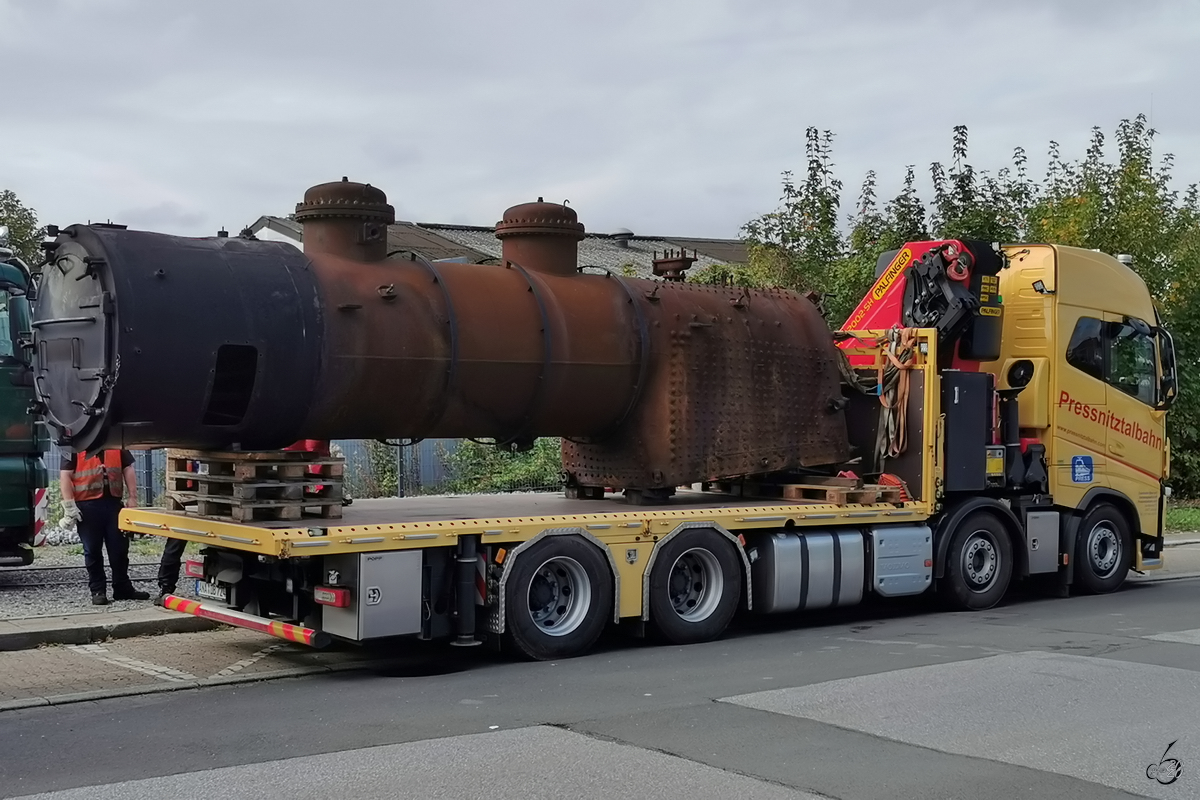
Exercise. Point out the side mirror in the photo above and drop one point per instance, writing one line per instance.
(1139, 326)
(1168, 383)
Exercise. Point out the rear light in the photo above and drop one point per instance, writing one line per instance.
(329, 596)
(193, 569)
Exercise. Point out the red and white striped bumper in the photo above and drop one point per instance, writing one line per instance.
(282, 630)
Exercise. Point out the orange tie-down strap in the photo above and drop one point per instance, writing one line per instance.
(282, 630)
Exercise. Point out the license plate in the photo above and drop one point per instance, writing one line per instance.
(212, 591)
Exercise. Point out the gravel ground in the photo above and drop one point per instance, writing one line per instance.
(18, 601)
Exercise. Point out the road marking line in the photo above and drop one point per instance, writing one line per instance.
(1179, 637)
(237, 667)
(145, 667)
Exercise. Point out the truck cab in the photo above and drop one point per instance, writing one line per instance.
(22, 437)
(1082, 334)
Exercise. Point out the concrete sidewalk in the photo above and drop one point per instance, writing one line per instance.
(22, 634)
(73, 673)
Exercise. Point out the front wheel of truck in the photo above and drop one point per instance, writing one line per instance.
(558, 599)
(1103, 550)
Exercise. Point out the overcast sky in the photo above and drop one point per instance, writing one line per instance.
(663, 117)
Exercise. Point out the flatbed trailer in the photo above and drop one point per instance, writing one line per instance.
(542, 574)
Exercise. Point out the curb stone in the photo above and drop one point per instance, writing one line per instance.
(1180, 540)
(159, 688)
(100, 631)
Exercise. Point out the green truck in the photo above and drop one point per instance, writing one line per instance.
(23, 438)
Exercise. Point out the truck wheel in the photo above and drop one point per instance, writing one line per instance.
(695, 586)
(979, 563)
(558, 599)
(1103, 550)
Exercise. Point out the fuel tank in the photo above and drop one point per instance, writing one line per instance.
(144, 339)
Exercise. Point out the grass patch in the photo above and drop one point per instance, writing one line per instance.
(1183, 517)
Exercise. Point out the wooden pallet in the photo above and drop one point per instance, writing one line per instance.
(254, 510)
(257, 469)
(255, 486)
(826, 490)
(205, 486)
(840, 494)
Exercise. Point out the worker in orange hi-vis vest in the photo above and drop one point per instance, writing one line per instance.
(92, 485)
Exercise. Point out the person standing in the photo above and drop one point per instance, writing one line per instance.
(168, 568)
(92, 486)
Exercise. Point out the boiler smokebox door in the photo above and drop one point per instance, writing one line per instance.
(73, 326)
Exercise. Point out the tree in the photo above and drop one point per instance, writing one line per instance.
(25, 235)
(796, 245)
(476, 467)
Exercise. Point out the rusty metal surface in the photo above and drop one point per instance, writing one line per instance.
(418, 349)
(672, 264)
(543, 237)
(741, 382)
(652, 383)
(346, 218)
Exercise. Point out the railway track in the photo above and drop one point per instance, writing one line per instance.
(38, 577)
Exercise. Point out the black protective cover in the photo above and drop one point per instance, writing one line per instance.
(967, 401)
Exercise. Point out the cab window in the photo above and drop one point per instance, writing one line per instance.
(1085, 351)
(1131, 364)
(1118, 354)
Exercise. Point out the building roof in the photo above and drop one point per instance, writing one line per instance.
(627, 254)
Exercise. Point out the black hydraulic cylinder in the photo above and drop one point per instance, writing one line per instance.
(465, 592)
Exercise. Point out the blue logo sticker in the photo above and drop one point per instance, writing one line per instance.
(1082, 469)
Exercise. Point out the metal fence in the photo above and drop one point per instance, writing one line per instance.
(373, 469)
(376, 469)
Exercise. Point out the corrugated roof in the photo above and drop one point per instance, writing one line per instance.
(477, 244)
(598, 251)
(728, 251)
(410, 237)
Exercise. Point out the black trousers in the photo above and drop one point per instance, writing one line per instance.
(99, 532)
(168, 568)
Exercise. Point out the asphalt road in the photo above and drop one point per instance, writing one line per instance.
(1041, 697)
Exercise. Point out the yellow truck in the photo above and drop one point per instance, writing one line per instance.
(1045, 460)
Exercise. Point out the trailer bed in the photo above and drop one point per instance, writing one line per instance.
(434, 508)
(402, 523)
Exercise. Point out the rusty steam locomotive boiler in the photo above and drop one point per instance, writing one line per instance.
(143, 339)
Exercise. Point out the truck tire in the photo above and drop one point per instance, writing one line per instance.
(979, 563)
(558, 599)
(695, 586)
(1103, 550)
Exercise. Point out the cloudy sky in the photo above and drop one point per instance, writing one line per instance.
(663, 117)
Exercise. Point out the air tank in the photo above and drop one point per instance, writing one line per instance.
(143, 339)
